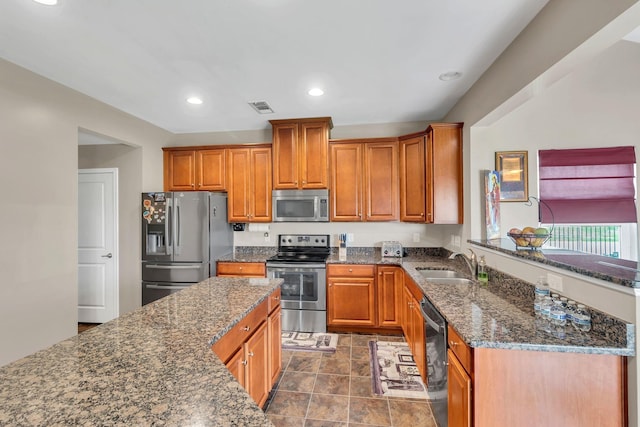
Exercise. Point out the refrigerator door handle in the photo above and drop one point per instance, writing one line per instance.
(168, 229)
(178, 226)
(173, 267)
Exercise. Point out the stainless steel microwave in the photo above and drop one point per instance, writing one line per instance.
(300, 205)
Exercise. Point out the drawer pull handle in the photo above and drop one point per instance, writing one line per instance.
(246, 328)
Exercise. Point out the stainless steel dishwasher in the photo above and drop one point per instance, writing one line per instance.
(436, 343)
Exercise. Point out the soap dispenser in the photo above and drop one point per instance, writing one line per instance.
(483, 275)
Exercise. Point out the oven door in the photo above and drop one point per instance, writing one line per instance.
(304, 286)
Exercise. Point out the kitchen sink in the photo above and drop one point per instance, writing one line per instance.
(436, 274)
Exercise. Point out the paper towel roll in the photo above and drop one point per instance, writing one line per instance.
(258, 227)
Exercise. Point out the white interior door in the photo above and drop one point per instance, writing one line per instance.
(97, 245)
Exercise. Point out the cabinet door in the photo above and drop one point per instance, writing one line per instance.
(381, 181)
(236, 365)
(256, 353)
(179, 170)
(459, 393)
(260, 195)
(407, 298)
(419, 349)
(412, 179)
(444, 173)
(274, 334)
(389, 291)
(210, 170)
(238, 188)
(346, 182)
(350, 301)
(285, 156)
(314, 163)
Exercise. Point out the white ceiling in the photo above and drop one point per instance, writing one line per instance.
(378, 61)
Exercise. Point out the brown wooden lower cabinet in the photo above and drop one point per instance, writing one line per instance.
(413, 325)
(459, 393)
(249, 349)
(351, 295)
(275, 343)
(501, 387)
(364, 297)
(241, 269)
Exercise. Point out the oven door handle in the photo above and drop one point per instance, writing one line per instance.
(297, 266)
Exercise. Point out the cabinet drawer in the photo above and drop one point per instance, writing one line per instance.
(273, 301)
(460, 349)
(253, 269)
(350, 270)
(226, 346)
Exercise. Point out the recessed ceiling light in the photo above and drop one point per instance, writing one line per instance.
(450, 75)
(316, 91)
(47, 2)
(194, 100)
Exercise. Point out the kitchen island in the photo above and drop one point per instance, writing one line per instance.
(153, 366)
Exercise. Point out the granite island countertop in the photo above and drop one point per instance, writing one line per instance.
(153, 366)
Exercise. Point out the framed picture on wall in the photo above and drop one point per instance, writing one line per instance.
(512, 166)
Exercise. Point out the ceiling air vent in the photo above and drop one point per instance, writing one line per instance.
(261, 107)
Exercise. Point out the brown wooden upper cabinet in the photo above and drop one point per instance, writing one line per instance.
(249, 189)
(194, 169)
(431, 175)
(364, 179)
(300, 148)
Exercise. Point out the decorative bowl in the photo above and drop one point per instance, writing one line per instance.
(529, 240)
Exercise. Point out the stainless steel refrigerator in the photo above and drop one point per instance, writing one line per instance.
(183, 234)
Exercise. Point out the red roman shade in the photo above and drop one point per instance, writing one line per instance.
(588, 185)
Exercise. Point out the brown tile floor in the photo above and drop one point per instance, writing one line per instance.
(317, 389)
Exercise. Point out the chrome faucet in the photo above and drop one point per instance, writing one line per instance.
(472, 261)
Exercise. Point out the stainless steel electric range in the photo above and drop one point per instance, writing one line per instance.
(301, 262)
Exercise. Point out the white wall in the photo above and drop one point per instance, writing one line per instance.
(38, 219)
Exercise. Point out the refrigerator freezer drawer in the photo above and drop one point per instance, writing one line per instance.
(172, 272)
(152, 291)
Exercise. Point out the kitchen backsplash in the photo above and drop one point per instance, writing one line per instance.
(365, 234)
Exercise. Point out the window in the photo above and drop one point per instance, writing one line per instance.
(590, 195)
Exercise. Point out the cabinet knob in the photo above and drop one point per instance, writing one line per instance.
(192, 184)
(251, 354)
(246, 329)
(452, 343)
(240, 268)
(276, 298)
(350, 270)
(421, 213)
(244, 362)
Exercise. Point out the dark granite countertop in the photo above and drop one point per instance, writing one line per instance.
(613, 270)
(153, 366)
(500, 315)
